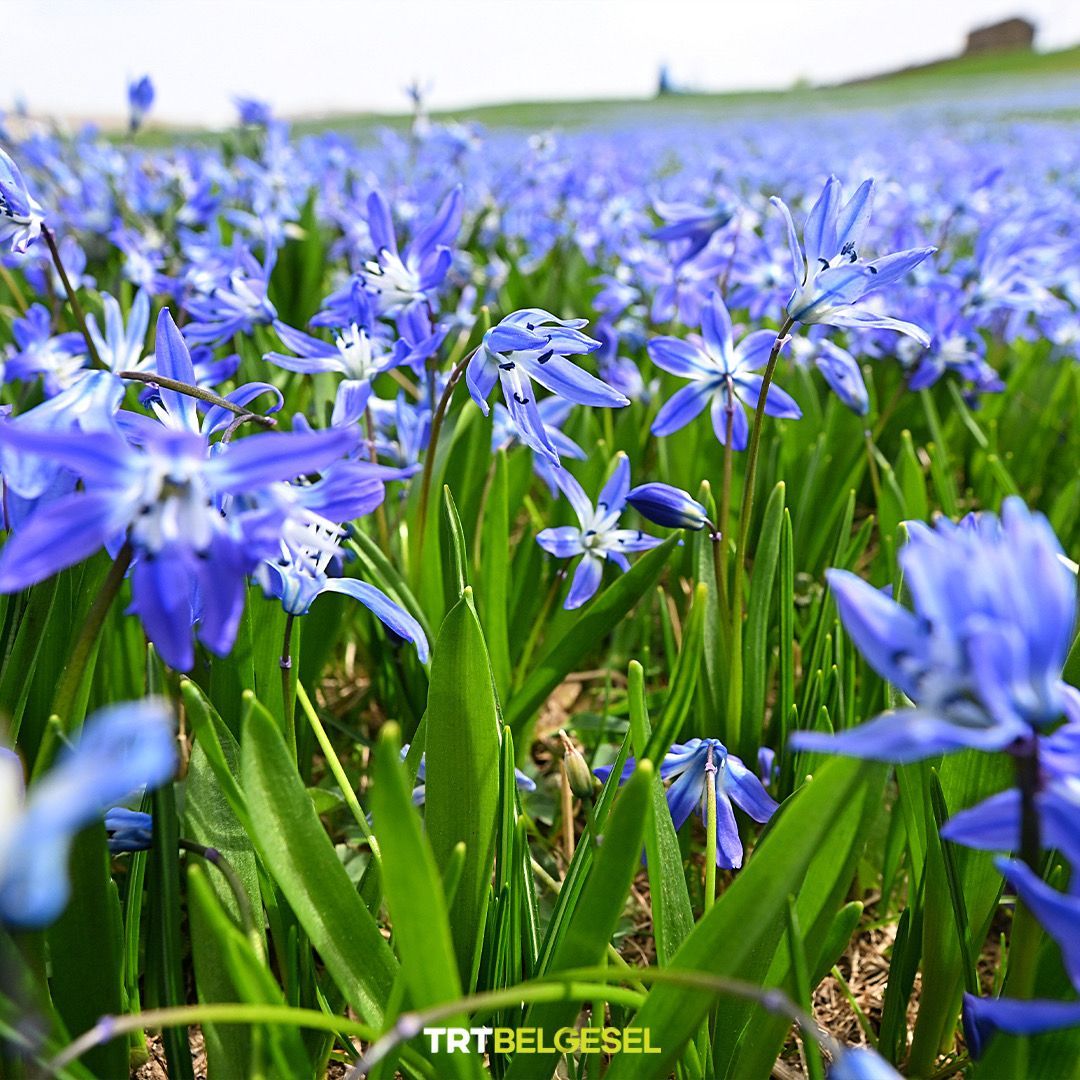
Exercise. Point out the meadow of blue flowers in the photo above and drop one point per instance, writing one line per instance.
(532, 580)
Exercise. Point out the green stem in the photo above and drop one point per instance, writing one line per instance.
(288, 705)
(710, 832)
(236, 886)
(433, 444)
(745, 513)
(1027, 777)
(335, 767)
(73, 300)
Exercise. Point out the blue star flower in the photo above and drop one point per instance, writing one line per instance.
(597, 536)
(722, 373)
(533, 345)
(691, 767)
(21, 215)
(830, 278)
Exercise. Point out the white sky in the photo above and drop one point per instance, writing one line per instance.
(73, 57)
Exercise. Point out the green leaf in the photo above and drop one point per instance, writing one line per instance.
(452, 547)
(210, 821)
(684, 680)
(756, 634)
(597, 619)
(597, 911)
(228, 961)
(164, 945)
(414, 895)
(462, 787)
(673, 917)
(741, 935)
(493, 574)
(86, 982)
(295, 849)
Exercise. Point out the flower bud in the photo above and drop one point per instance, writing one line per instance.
(668, 506)
(577, 769)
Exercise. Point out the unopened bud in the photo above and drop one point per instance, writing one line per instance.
(578, 775)
(669, 506)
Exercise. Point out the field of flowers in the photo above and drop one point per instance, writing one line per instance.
(576, 598)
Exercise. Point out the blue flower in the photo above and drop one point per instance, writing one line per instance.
(140, 98)
(119, 751)
(691, 767)
(128, 830)
(120, 348)
(58, 358)
(21, 215)
(169, 494)
(830, 278)
(397, 278)
(533, 344)
(861, 1063)
(354, 354)
(1059, 915)
(841, 372)
(310, 542)
(235, 303)
(982, 652)
(253, 111)
(694, 224)
(669, 506)
(598, 537)
(721, 373)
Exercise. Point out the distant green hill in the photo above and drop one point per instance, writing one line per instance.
(946, 82)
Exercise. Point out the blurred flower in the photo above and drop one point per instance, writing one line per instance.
(119, 751)
(140, 98)
(982, 652)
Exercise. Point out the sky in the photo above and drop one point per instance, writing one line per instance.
(310, 57)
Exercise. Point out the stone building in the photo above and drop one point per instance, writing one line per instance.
(1001, 37)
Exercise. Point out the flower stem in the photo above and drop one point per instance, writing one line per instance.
(710, 832)
(151, 378)
(1027, 778)
(236, 886)
(339, 773)
(288, 705)
(745, 513)
(73, 300)
(433, 444)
